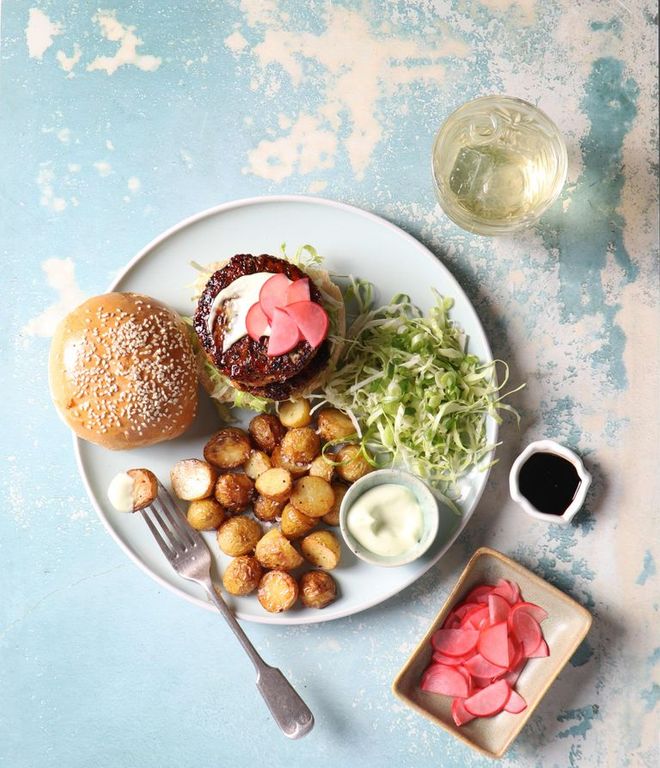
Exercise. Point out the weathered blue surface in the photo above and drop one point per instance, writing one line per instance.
(220, 100)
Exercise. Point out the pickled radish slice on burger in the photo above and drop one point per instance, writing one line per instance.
(312, 320)
(283, 334)
(256, 322)
(273, 294)
(298, 291)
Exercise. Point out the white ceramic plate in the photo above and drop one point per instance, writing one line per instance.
(352, 242)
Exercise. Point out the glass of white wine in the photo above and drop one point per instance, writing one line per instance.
(498, 164)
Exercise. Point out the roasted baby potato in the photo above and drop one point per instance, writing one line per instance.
(334, 425)
(205, 514)
(294, 413)
(239, 535)
(242, 575)
(313, 496)
(267, 509)
(266, 431)
(274, 550)
(228, 448)
(278, 460)
(278, 591)
(295, 523)
(321, 467)
(275, 484)
(322, 549)
(193, 479)
(145, 487)
(317, 589)
(300, 446)
(332, 518)
(234, 491)
(354, 465)
(257, 464)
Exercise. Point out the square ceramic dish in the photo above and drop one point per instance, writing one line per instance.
(564, 629)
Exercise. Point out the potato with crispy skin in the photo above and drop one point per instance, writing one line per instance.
(228, 448)
(322, 549)
(267, 509)
(301, 446)
(295, 413)
(274, 550)
(313, 496)
(322, 467)
(239, 535)
(258, 463)
(334, 425)
(266, 431)
(205, 514)
(332, 517)
(353, 465)
(295, 523)
(275, 483)
(145, 487)
(278, 591)
(317, 589)
(279, 460)
(242, 575)
(193, 479)
(234, 491)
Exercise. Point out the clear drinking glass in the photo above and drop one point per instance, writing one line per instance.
(498, 164)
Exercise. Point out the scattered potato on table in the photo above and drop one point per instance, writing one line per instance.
(239, 535)
(234, 491)
(300, 446)
(275, 483)
(193, 479)
(322, 549)
(334, 425)
(145, 487)
(353, 465)
(266, 431)
(278, 591)
(317, 589)
(242, 575)
(274, 550)
(257, 464)
(229, 448)
(205, 514)
(332, 518)
(295, 413)
(295, 523)
(313, 496)
(323, 467)
(278, 460)
(267, 509)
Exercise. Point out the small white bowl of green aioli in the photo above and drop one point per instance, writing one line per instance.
(389, 517)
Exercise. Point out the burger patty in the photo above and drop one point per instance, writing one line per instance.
(246, 362)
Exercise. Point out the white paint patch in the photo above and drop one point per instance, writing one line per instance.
(358, 67)
(67, 63)
(109, 145)
(134, 184)
(317, 186)
(236, 43)
(74, 167)
(126, 53)
(61, 277)
(40, 32)
(187, 158)
(64, 135)
(262, 12)
(48, 198)
(103, 167)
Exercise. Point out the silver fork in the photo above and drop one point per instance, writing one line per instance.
(188, 554)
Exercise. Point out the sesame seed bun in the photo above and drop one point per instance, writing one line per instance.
(122, 371)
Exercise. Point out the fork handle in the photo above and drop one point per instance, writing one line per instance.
(289, 711)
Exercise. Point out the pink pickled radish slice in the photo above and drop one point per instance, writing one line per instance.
(474, 618)
(273, 294)
(459, 714)
(462, 611)
(512, 676)
(256, 322)
(527, 631)
(283, 334)
(498, 609)
(452, 622)
(480, 667)
(480, 682)
(466, 674)
(516, 703)
(515, 653)
(479, 594)
(298, 291)
(454, 642)
(451, 661)
(505, 590)
(541, 652)
(493, 644)
(444, 680)
(312, 320)
(515, 590)
(488, 701)
(535, 611)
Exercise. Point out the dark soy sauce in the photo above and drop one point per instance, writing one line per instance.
(549, 482)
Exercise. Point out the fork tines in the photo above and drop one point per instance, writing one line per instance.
(173, 533)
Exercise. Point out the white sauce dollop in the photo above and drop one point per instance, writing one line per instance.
(120, 492)
(234, 301)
